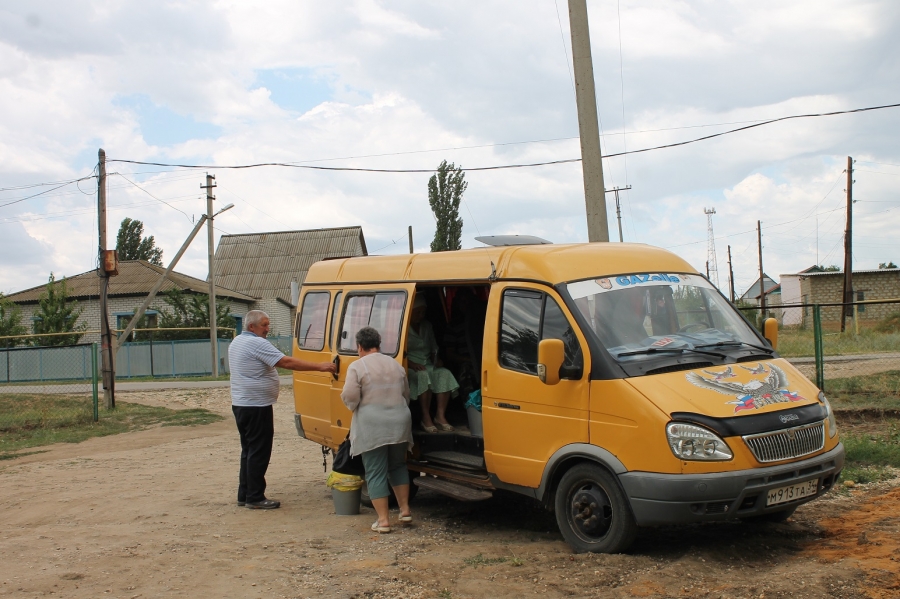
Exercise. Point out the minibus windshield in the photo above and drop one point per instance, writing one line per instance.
(646, 315)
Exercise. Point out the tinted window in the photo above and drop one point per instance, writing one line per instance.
(382, 311)
(556, 326)
(311, 326)
(524, 323)
(520, 330)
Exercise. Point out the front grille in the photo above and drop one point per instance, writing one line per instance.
(788, 443)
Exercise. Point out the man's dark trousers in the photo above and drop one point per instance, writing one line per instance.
(257, 428)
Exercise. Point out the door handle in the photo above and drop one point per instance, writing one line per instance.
(337, 367)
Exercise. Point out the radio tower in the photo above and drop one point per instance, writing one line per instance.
(711, 269)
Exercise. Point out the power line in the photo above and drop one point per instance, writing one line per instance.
(504, 166)
(46, 191)
(150, 194)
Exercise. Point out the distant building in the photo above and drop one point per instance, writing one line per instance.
(771, 287)
(792, 294)
(127, 291)
(264, 265)
(828, 287)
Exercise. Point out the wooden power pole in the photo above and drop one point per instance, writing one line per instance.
(846, 309)
(210, 238)
(588, 126)
(762, 282)
(730, 275)
(107, 346)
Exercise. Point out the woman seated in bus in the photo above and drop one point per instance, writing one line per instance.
(427, 376)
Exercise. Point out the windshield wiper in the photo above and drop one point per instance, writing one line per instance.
(768, 350)
(672, 350)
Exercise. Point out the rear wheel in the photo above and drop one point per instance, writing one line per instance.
(592, 511)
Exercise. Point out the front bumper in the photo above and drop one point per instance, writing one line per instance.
(681, 498)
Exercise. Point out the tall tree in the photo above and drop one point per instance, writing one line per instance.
(10, 323)
(445, 191)
(188, 311)
(55, 314)
(132, 246)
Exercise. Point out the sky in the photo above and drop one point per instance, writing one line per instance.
(406, 84)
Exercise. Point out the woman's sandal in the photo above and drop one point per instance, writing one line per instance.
(380, 529)
(428, 429)
(407, 519)
(444, 427)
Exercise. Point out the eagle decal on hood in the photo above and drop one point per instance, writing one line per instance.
(759, 392)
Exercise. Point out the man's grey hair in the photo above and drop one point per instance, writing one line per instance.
(254, 317)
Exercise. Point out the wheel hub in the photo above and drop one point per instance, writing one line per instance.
(591, 512)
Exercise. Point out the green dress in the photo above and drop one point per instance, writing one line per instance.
(421, 346)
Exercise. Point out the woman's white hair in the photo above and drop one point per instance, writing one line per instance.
(254, 317)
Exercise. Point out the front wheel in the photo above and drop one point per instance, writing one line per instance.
(592, 512)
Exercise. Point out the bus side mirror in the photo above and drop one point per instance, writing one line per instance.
(551, 353)
(770, 332)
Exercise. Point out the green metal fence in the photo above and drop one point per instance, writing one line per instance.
(46, 388)
(860, 363)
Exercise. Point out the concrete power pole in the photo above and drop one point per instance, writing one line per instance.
(107, 346)
(616, 190)
(711, 264)
(410, 240)
(846, 309)
(762, 282)
(588, 127)
(213, 331)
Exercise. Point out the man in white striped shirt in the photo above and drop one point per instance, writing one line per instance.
(254, 390)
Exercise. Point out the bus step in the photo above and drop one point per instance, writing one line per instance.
(451, 489)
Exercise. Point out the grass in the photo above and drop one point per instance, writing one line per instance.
(873, 456)
(33, 420)
(796, 343)
(879, 391)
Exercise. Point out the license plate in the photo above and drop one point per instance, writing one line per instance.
(792, 492)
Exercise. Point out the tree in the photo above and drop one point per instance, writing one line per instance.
(884, 265)
(56, 315)
(10, 323)
(192, 310)
(131, 246)
(445, 190)
(832, 268)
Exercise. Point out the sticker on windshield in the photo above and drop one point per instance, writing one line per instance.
(628, 280)
(662, 342)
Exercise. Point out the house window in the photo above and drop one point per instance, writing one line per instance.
(150, 321)
(238, 324)
(860, 297)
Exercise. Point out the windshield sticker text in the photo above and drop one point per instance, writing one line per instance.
(627, 280)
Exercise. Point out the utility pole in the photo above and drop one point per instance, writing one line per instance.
(107, 347)
(762, 282)
(846, 309)
(410, 240)
(588, 127)
(730, 275)
(213, 331)
(618, 208)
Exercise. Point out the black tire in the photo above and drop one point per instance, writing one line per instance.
(592, 511)
(772, 517)
(392, 501)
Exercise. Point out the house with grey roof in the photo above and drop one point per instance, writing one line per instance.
(265, 265)
(127, 292)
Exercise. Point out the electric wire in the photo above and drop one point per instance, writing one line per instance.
(505, 166)
(46, 191)
(152, 196)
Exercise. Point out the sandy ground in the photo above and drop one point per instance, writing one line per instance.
(152, 514)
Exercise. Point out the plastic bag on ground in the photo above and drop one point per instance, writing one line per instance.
(343, 482)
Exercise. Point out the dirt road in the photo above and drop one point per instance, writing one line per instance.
(152, 514)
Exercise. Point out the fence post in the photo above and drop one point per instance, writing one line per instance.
(819, 347)
(94, 383)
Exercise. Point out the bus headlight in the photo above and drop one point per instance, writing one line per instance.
(692, 442)
(832, 423)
